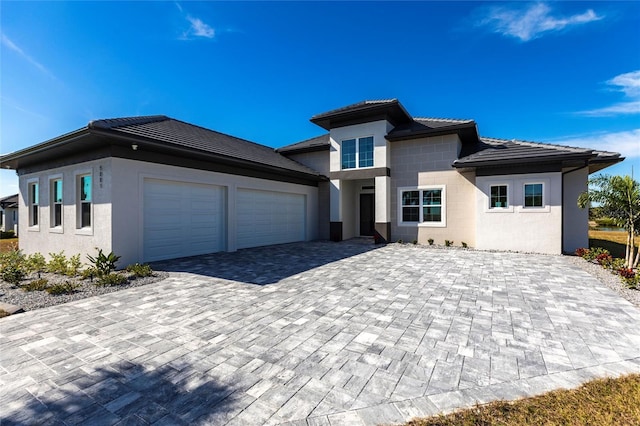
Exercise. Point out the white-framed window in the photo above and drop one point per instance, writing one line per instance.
(55, 202)
(34, 202)
(357, 153)
(84, 198)
(533, 195)
(422, 206)
(499, 196)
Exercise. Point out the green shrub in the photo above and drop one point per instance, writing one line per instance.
(448, 243)
(74, 266)
(414, 242)
(5, 235)
(430, 241)
(35, 263)
(400, 241)
(12, 274)
(112, 279)
(606, 221)
(617, 264)
(36, 285)
(594, 253)
(12, 266)
(140, 270)
(64, 288)
(102, 263)
(58, 264)
(89, 273)
(464, 245)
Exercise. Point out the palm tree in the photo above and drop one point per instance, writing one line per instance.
(619, 199)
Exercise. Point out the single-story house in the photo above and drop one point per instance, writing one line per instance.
(9, 213)
(154, 188)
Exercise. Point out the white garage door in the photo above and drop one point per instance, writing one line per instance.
(182, 219)
(265, 218)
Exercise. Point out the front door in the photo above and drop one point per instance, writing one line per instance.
(367, 214)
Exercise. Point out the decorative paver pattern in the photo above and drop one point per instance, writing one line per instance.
(316, 334)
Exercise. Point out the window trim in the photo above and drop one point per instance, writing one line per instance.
(357, 159)
(421, 223)
(52, 204)
(546, 207)
(87, 230)
(487, 204)
(524, 196)
(30, 204)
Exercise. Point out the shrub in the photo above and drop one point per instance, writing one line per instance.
(89, 273)
(140, 270)
(5, 235)
(593, 253)
(630, 277)
(400, 241)
(74, 265)
(64, 288)
(582, 252)
(12, 274)
(112, 279)
(35, 263)
(36, 285)
(604, 259)
(12, 266)
(448, 243)
(102, 263)
(4, 313)
(617, 264)
(606, 221)
(58, 263)
(626, 273)
(430, 241)
(414, 242)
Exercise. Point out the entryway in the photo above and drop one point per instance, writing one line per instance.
(367, 215)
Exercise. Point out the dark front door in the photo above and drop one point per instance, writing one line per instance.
(367, 214)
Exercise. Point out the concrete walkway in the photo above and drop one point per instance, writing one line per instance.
(318, 334)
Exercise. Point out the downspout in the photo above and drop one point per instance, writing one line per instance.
(586, 164)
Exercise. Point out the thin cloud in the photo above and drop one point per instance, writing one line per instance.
(532, 22)
(627, 83)
(199, 28)
(11, 45)
(626, 143)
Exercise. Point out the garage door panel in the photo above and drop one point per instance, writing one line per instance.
(182, 219)
(266, 217)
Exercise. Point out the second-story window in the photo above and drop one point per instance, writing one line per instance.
(357, 153)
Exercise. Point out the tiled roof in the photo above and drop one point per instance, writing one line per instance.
(363, 105)
(159, 128)
(490, 151)
(429, 126)
(10, 201)
(313, 144)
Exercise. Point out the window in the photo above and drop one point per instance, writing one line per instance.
(432, 205)
(533, 195)
(1, 218)
(56, 203)
(423, 206)
(34, 196)
(499, 197)
(357, 153)
(84, 198)
(410, 206)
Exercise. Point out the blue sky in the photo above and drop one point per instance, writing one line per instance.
(557, 72)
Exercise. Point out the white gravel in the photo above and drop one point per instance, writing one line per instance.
(30, 300)
(613, 281)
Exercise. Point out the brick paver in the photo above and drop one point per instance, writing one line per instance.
(319, 334)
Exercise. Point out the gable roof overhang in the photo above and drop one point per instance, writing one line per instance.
(10, 202)
(318, 143)
(466, 130)
(501, 156)
(99, 139)
(390, 110)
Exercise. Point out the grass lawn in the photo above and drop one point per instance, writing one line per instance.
(8, 244)
(615, 242)
(599, 402)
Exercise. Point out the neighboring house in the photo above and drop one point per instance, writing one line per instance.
(153, 188)
(9, 213)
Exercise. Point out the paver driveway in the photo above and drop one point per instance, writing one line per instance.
(317, 333)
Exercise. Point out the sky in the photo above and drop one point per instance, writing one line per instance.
(554, 72)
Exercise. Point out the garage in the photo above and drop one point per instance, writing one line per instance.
(182, 219)
(268, 217)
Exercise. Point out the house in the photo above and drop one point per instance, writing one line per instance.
(153, 188)
(9, 213)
